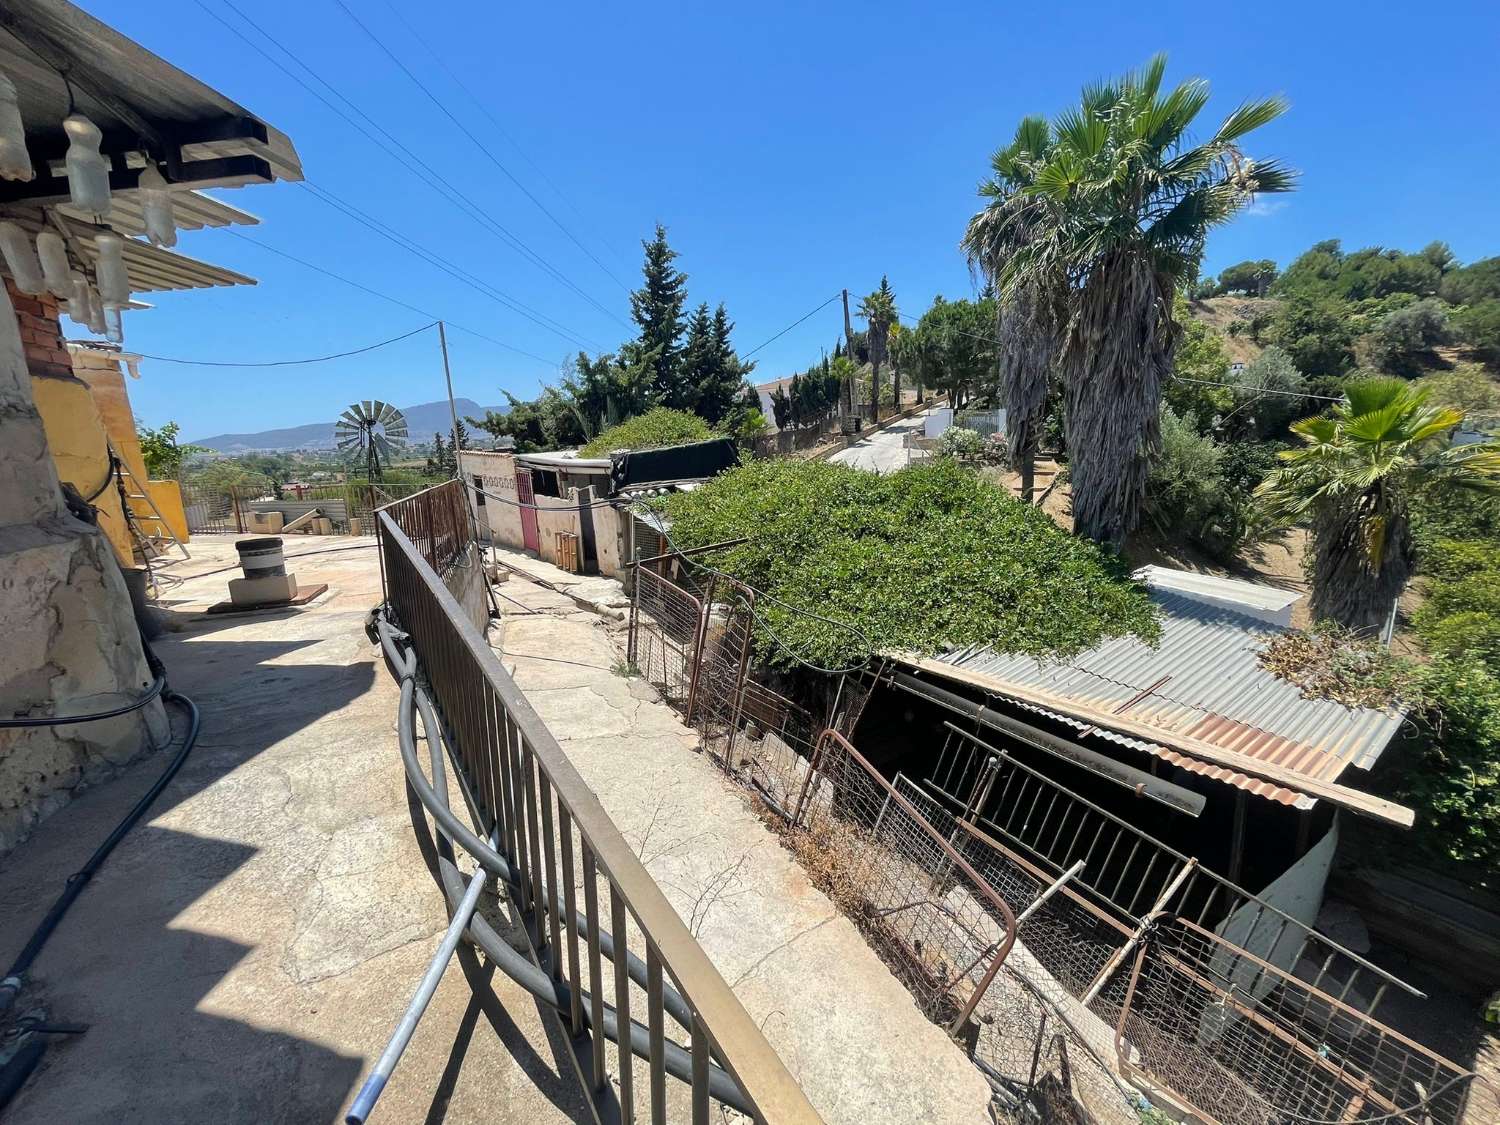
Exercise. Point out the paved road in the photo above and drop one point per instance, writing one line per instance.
(884, 451)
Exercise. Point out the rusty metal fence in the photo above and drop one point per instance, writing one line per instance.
(437, 521)
(1077, 958)
(606, 951)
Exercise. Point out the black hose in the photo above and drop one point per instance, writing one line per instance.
(10, 986)
(156, 688)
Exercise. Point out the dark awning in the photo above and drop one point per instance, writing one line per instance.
(679, 462)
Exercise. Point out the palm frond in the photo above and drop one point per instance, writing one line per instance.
(1251, 116)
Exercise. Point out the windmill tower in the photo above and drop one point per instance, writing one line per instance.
(376, 428)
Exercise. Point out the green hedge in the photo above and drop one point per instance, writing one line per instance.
(655, 429)
(926, 557)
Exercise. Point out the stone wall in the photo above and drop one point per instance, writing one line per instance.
(71, 644)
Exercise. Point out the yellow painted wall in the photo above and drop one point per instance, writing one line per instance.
(101, 371)
(82, 416)
(168, 497)
(75, 434)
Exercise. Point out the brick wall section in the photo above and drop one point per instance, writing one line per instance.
(41, 335)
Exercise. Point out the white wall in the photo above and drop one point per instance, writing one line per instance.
(499, 520)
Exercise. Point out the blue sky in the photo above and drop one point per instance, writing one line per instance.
(791, 149)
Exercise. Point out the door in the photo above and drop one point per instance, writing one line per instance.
(529, 534)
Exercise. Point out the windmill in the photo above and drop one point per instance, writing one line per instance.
(376, 428)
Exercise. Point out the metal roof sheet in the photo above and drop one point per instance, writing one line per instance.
(1205, 681)
(153, 269)
(191, 210)
(115, 78)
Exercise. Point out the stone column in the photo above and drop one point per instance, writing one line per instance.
(70, 640)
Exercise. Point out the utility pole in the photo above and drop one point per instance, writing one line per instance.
(452, 409)
(849, 347)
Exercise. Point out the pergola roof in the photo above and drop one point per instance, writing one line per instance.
(138, 100)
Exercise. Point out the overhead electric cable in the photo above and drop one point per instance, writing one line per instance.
(387, 297)
(499, 126)
(792, 325)
(288, 362)
(495, 160)
(435, 259)
(405, 156)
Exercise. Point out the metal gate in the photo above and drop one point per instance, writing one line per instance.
(666, 624)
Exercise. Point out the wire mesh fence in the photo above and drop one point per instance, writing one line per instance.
(1131, 967)
(665, 629)
(1127, 870)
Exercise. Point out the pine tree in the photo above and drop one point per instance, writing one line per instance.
(437, 462)
(724, 378)
(698, 366)
(657, 308)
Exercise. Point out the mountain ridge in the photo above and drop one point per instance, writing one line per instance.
(422, 421)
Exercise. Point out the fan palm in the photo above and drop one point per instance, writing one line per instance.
(1126, 206)
(1030, 315)
(879, 312)
(1354, 476)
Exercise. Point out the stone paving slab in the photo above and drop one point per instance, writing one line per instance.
(246, 951)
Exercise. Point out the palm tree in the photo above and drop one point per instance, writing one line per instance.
(1354, 477)
(1127, 206)
(879, 312)
(1029, 318)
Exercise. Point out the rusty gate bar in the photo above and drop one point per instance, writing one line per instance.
(510, 768)
(928, 848)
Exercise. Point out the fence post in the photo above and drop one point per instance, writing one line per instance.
(239, 518)
(705, 609)
(632, 640)
(741, 682)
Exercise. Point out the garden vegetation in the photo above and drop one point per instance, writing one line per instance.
(925, 558)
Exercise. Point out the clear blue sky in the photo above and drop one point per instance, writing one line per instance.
(791, 149)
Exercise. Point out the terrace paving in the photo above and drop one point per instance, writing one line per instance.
(247, 949)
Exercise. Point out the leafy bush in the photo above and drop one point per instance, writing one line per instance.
(1403, 337)
(161, 451)
(1263, 395)
(655, 429)
(1479, 324)
(1448, 767)
(1462, 616)
(918, 560)
(1468, 387)
(1185, 482)
(960, 442)
(1459, 558)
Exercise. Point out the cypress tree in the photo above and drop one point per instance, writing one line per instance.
(657, 308)
(698, 365)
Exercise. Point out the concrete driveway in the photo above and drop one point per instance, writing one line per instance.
(885, 450)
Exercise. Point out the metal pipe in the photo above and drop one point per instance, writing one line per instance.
(369, 1093)
(1174, 797)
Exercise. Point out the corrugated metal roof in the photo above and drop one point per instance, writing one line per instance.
(1203, 681)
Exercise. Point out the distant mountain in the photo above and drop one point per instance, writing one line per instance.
(422, 422)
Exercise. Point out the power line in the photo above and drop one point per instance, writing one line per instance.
(499, 126)
(405, 156)
(289, 362)
(495, 160)
(1258, 390)
(387, 297)
(792, 325)
(431, 257)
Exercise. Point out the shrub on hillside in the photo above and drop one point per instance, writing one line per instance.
(927, 557)
(958, 441)
(655, 429)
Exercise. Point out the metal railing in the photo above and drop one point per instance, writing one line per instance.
(606, 945)
(1126, 870)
